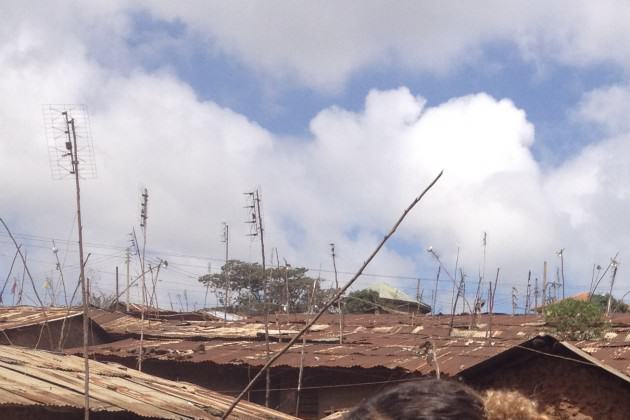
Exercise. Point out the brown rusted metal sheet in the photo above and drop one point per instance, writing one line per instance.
(32, 377)
(385, 340)
(25, 316)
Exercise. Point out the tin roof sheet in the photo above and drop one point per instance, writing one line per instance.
(33, 377)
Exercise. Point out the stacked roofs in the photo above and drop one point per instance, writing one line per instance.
(44, 383)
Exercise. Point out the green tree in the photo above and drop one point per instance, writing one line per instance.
(361, 301)
(616, 305)
(247, 287)
(575, 320)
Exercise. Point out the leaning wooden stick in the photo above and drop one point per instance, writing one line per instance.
(338, 295)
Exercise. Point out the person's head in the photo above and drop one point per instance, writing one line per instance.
(429, 399)
(508, 405)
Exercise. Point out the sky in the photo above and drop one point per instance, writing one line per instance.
(340, 114)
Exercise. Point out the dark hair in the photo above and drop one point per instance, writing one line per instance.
(428, 399)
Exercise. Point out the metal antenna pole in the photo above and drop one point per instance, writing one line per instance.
(561, 255)
(62, 134)
(143, 225)
(544, 291)
(339, 307)
(226, 240)
(127, 260)
(437, 279)
(614, 264)
(266, 289)
(72, 136)
(528, 299)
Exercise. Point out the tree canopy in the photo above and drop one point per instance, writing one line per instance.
(575, 319)
(616, 305)
(246, 287)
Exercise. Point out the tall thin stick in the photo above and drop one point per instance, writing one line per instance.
(330, 302)
(8, 275)
(74, 152)
(339, 307)
(437, 279)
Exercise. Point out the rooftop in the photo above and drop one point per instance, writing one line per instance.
(39, 378)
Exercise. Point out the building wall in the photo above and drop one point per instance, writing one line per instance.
(46, 336)
(317, 399)
(563, 388)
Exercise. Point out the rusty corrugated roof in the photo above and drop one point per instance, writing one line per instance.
(25, 316)
(387, 340)
(34, 377)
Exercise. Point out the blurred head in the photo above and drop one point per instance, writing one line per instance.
(429, 399)
(508, 405)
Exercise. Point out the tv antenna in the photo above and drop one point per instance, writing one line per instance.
(71, 155)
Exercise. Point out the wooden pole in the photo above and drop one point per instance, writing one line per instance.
(437, 279)
(75, 167)
(116, 300)
(339, 306)
(612, 283)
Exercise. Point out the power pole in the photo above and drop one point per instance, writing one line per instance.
(418, 296)
(339, 306)
(116, 302)
(226, 241)
(127, 260)
(437, 279)
(614, 264)
(73, 151)
(286, 287)
(544, 293)
(529, 292)
(257, 223)
(536, 293)
(561, 255)
(143, 224)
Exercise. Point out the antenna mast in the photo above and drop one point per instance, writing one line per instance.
(257, 222)
(226, 241)
(66, 139)
(143, 225)
(339, 307)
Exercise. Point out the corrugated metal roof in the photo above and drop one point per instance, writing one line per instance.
(25, 316)
(32, 377)
(390, 341)
(385, 291)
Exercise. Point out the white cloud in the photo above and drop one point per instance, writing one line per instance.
(608, 107)
(323, 44)
(345, 183)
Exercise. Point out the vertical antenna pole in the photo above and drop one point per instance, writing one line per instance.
(266, 289)
(437, 279)
(339, 307)
(612, 283)
(226, 240)
(418, 296)
(544, 294)
(143, 225)
(286, 287)
(72, 137)
(116, 302)
(127, 260)
(528, 298)
(562, 270)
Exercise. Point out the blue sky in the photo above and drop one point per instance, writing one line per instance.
(547, 95)
(340, 113)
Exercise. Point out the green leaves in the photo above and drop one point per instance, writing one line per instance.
(576, 320)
